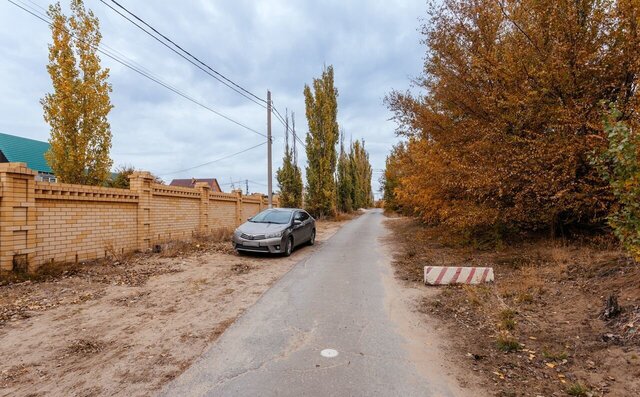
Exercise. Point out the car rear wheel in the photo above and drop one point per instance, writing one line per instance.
(312, 239)
(288, 249)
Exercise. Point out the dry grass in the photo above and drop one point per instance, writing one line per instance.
(216, 241)
(539, 325)
(507, 343)
(507, 320)
(47, 271)
(578, 389)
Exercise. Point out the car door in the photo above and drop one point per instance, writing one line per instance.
(298, 229)
(307, 226)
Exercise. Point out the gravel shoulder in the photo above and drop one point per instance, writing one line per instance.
(128, 326)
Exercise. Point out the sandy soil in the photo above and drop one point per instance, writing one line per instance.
(539, 330)
(427, 347)
(126, 327)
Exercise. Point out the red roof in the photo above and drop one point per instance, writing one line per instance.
(212, 182)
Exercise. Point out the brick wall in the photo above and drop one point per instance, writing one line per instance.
(174, 212)
(84, 221)
(42, 222)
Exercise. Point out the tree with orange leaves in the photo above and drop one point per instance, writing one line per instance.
(500, 136)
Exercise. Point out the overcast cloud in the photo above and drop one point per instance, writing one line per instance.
(374, 47)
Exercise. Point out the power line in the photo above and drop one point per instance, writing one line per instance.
(243, 181)
(233, 182)
(103, 44)
(280, 119)
(30, 12)
(187, 97)
(214, 161)
(149, 76)
(284, 124)
(216, 75)
(257, 183)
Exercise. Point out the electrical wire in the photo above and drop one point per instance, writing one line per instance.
(216, 75)
(284, 124)
(214, 161)
(257, 183)
(242, 181)
(148, 76)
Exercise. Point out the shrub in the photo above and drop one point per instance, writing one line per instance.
(507, 343)
(617, 163)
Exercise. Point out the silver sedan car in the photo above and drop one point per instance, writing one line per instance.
(277, 230)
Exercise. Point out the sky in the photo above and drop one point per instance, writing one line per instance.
(374, 47)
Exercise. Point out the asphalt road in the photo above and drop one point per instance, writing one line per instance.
(334, 299)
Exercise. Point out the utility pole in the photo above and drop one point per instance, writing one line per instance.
(246, 191)
(269, 170)
(295, 150)
(286, 130)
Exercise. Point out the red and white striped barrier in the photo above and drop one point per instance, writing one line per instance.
(442, 275)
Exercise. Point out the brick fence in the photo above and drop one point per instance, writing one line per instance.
(44, 222)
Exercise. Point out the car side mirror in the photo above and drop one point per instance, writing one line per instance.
(297, 222)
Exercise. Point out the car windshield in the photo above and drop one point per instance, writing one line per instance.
(272, 216)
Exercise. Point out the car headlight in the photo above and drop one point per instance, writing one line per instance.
(274, 234)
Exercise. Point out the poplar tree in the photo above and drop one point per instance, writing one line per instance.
(289, 177)
(361, 173)
(322, 111)
(77, 108)
(344, 180)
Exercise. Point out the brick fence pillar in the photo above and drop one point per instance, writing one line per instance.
(17, 217)
(140, 182)
(203, 224)
(238, 207)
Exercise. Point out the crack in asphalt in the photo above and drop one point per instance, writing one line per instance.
(297, 341)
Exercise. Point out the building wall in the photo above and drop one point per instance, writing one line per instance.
(42, 222)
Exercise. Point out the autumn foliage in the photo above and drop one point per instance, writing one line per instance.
(353, 178)
(321, 106)
(508, 112)
(77, 108)
(335, 182)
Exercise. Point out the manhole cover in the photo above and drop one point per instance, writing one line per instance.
(329, 353)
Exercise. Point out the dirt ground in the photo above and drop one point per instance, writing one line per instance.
(129, 325)
(541, 328)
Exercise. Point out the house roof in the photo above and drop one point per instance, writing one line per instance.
(24, 150)
(212, 182)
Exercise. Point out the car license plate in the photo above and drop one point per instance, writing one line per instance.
(250, 243)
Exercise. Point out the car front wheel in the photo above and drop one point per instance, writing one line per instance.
(288, 248)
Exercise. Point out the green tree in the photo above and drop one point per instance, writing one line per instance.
(618, 164)
(290, 180)
(344, 180)
(120, 178)
(322, 111)
(391, 177)
(77, 108)
(360, 175)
